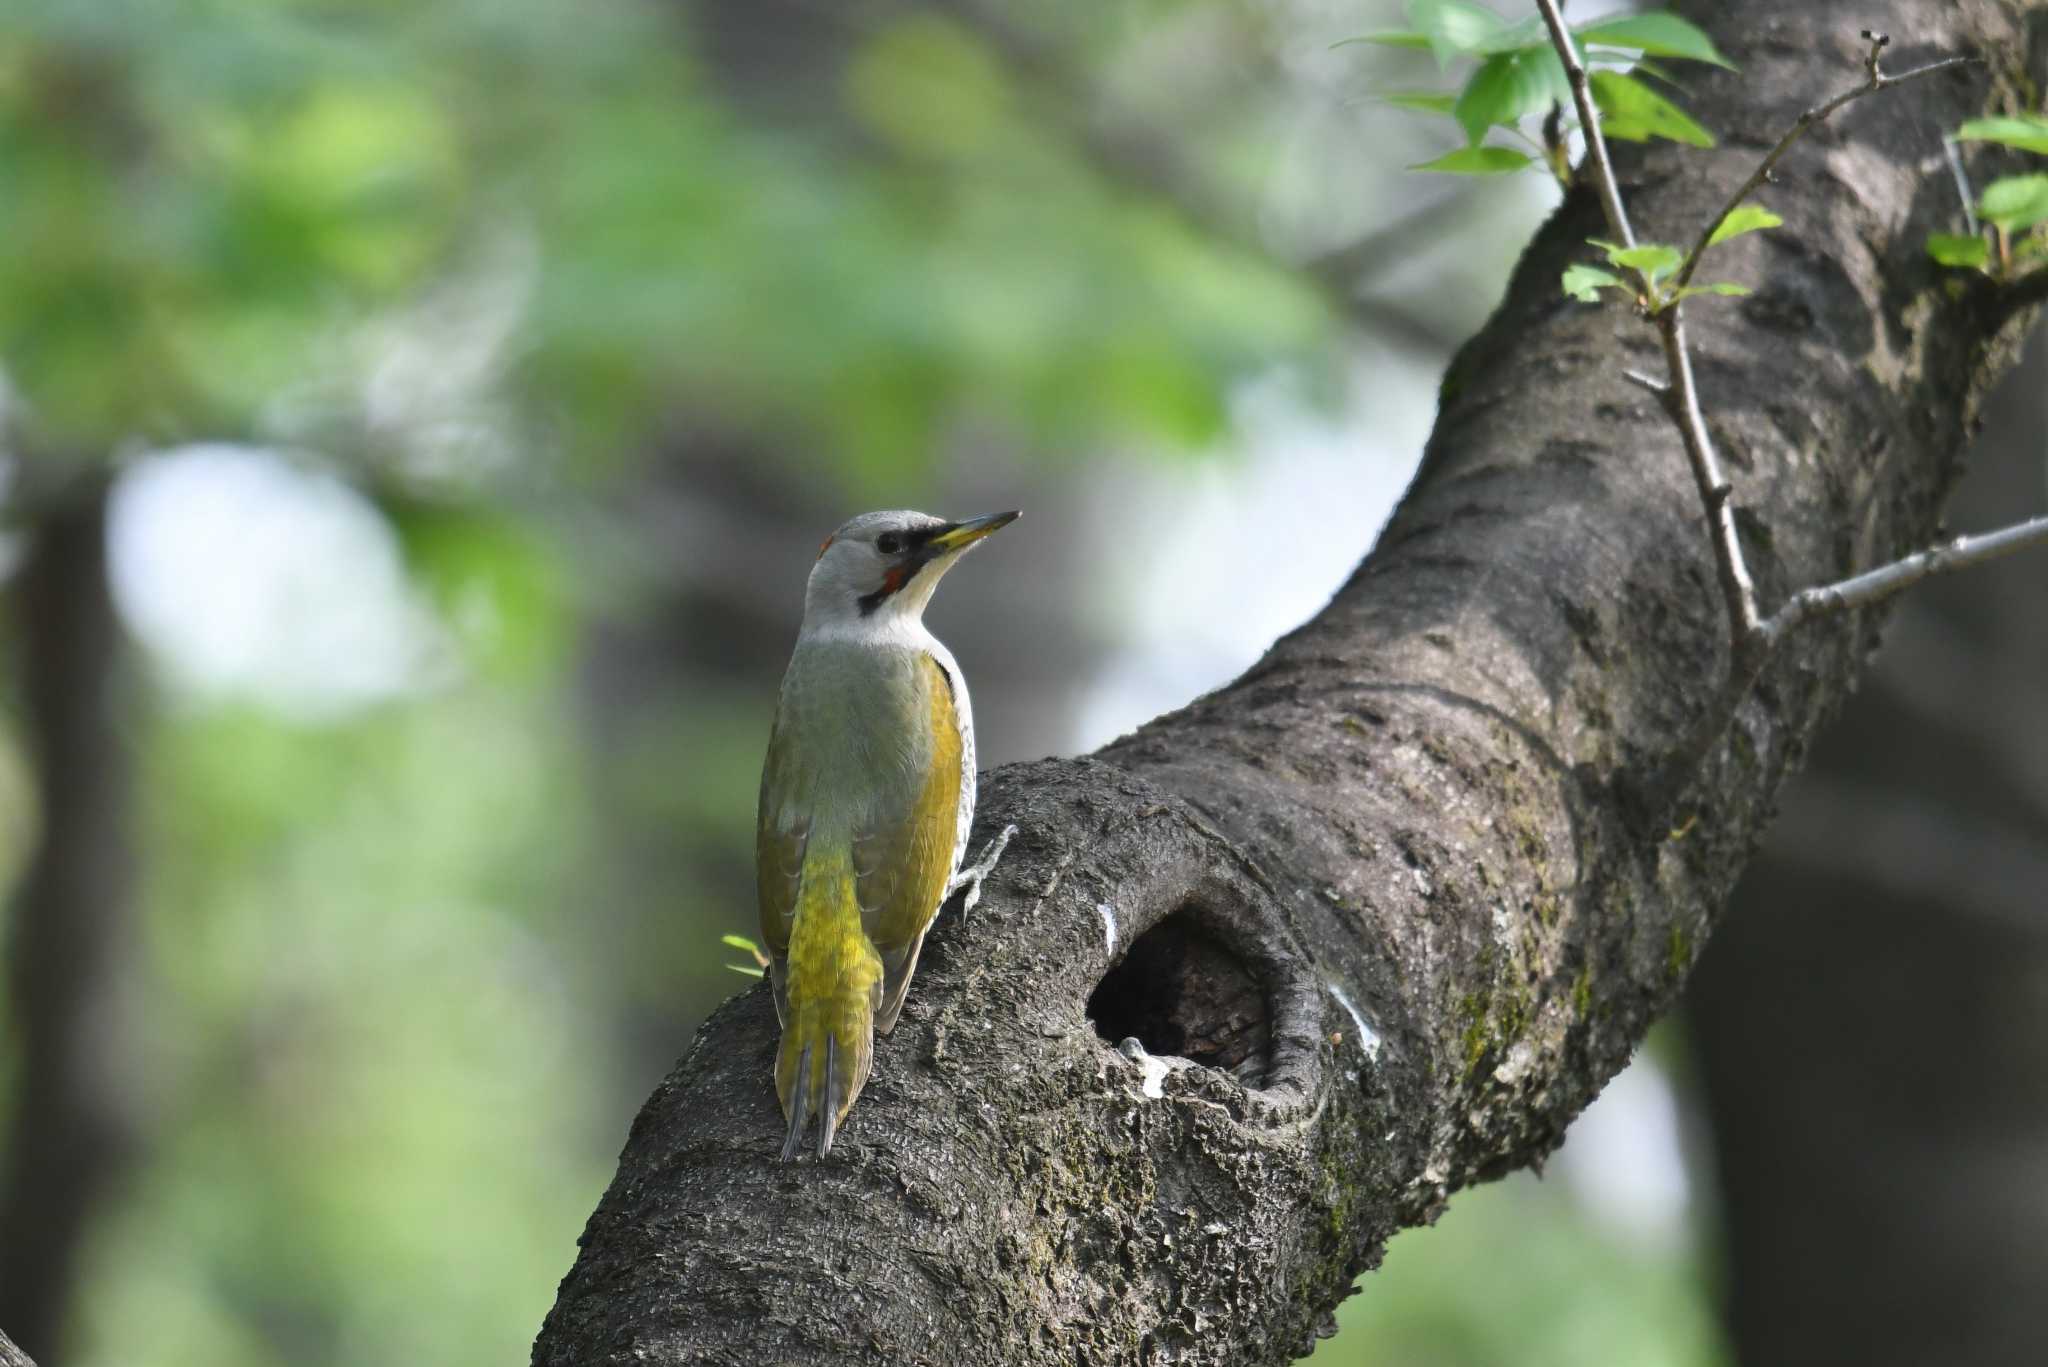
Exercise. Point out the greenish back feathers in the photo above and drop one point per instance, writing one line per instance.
(858, 832)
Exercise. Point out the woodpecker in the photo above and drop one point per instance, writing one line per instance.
(866, 800)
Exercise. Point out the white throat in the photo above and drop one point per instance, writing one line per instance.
(833, 601)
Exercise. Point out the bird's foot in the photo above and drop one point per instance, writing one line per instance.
(971, 876)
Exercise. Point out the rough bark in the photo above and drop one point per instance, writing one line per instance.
(70, 933)
(11, 1356)
(1868, 1020)
(1408, 838)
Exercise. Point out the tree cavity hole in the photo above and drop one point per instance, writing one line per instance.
(1180, 990)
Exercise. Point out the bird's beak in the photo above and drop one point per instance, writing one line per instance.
(967, 531)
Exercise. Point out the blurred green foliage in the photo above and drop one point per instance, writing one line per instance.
(2014, 208)
(377, 1126)
(204, 202)
(1515, 1273)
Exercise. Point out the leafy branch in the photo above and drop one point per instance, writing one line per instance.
(2015, 208)
(1755, 638)
(1521, 73)
(1679, 394)
(1519, 77)
(1875, 80)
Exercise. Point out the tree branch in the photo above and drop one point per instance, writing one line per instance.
(1875, 81)
(69, 936)
(1589, 124)
(1385, 913)
(1682, 401)
(1679, 394)
(1138, 157)
(1752, 638)
(11, 1356)
(1874, 586)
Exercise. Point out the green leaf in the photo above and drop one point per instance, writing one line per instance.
(1643, 66)
(1584, 283)
(1454, 27)
(1387, 38)
(1746, 218)
(1477, 161)
(1657, 35)
(1718, 287)
(1507, 87)
(1654, 259)
(2015, 202)
(1951, 249)
(494, 582)
(747, 969)
(2028, 132)
(1428, 101)
(1528, 35)
(740, 942)
(1633, 112)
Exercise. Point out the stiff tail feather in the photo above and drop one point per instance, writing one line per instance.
(798, 1106)
(821, 1067)
(832, 986)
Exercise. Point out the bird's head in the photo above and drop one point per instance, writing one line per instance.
(882, 567)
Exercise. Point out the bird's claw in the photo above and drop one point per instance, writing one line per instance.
(971, 876)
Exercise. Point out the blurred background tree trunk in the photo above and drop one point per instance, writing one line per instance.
(1869, 1016)
(72, 925)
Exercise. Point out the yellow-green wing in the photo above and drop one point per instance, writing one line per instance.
(903, 859)
(778, 861)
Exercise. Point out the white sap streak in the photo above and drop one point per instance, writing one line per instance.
(1154, 1069)
(1108, 926)
(1368, 1038)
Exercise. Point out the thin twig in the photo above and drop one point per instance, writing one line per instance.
(1874, 586)
(1875, 80)
(1589, 123)
(1738, 590)
(1962, 178)
(1815, 604)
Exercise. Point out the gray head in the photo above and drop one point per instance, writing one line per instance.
(881, 568)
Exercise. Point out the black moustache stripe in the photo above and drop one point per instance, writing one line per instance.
(911, 561)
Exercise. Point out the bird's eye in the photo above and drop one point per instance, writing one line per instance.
(888, 543)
